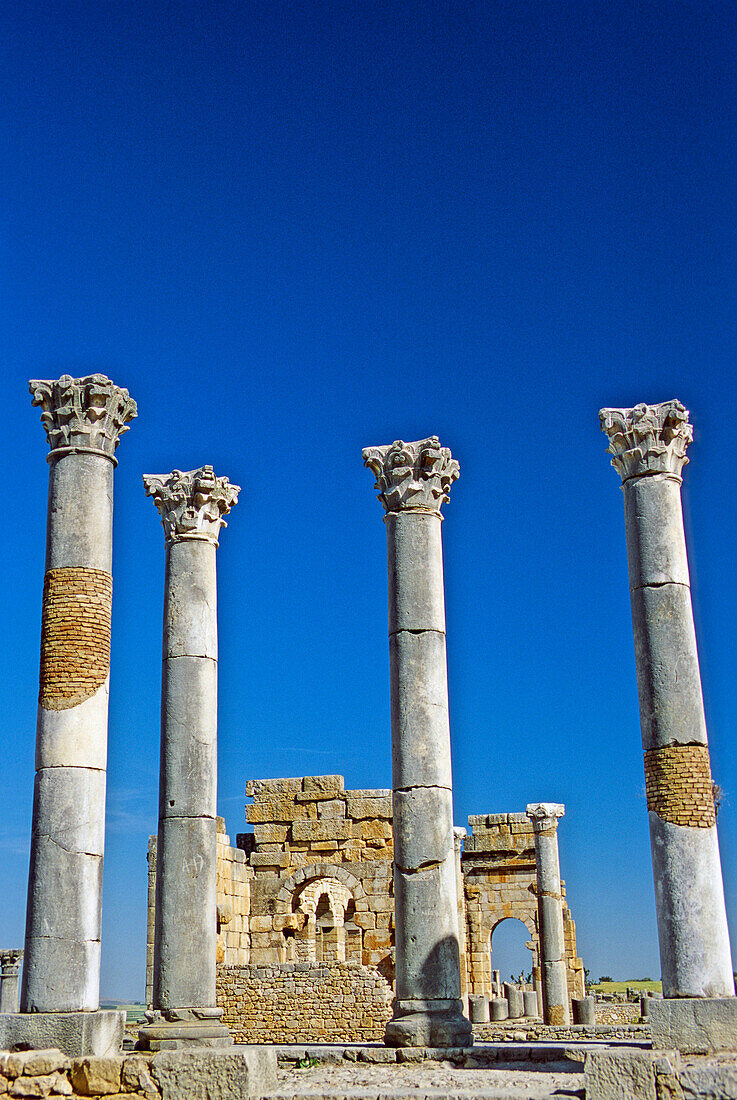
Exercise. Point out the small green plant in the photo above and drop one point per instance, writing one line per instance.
(306, 1062)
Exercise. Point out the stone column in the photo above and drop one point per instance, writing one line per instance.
(544, 817)
(192, 507)
(83, 418)
(648, 444)
(459, 834)
(9, 974)
(413, 480)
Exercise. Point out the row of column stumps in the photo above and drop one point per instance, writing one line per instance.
(192, 506)
(648, 444)
(413, 480)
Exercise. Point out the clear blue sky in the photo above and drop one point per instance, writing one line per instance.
(293, 230)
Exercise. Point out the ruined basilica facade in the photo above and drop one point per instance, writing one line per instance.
(306, 909)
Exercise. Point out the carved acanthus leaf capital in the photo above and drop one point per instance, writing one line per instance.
(412, 477)
(83, 414)
(193, 504)
(544, 814)
(649, 439)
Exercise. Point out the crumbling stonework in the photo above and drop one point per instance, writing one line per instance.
(307, 899)
(327, 1003)
(75, 635)
(678, 785)
(499, 876)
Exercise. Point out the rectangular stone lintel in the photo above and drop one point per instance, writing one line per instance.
(694, 1025)
(77, 1034)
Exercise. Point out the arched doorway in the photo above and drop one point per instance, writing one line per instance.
(511, 950)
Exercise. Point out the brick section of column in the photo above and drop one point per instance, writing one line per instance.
(678, 785)
(75, 636)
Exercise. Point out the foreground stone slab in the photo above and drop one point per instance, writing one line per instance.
(75, 1033)
(694, 1025)
(203, 1074)
(629, 1074)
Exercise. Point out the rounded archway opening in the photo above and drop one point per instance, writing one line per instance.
(510, 953)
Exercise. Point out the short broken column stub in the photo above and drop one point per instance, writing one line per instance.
(648, 444)
(84, 419)
(413, 480)
(10, 961)
(544, 817)
(192, 506)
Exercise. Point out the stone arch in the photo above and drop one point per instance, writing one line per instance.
(319, 929)
(315, 871)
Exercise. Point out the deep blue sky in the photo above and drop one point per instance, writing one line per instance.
(296, 229)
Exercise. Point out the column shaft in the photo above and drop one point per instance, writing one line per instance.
(649, 444)
(186, 855)
(192, 506)
(428, 1007)
(556, 1005)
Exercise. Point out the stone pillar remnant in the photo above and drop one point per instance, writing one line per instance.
(413, 480)
(192, 506)
(648, 444)
(84, 419)
(9, 978)
(544, 817)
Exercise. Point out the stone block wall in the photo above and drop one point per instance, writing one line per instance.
(323, 880)
(300, 1003)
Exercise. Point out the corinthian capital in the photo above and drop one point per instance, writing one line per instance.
(412, 477)
(649, 439)
(192, 505)
(83, 414)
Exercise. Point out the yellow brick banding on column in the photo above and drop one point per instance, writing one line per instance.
(75, 635)
(678, 785)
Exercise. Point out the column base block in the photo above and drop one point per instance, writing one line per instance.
(77, 1034)
(178, 1029)
(422, 1024)
(694, 1025)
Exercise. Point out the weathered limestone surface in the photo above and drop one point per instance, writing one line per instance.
(10, 961)
(83, 418)
(192, 506)
(544, 817)
(240, 1072)
(413, 480)
(648, 444)
(694, 1025)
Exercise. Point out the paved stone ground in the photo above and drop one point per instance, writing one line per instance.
(426, 1081)
(488, 1071)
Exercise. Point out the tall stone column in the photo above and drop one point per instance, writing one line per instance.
(84, 419)
(192, 507)
(9, 978)
(413, 480)
(544, 817)
(648, 444)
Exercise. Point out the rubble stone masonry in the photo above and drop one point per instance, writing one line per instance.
(678, 785)
(314, 1004)
(75, 635)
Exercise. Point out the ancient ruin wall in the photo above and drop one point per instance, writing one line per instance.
(499, 877)
(309, 1004)
(312, 885)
